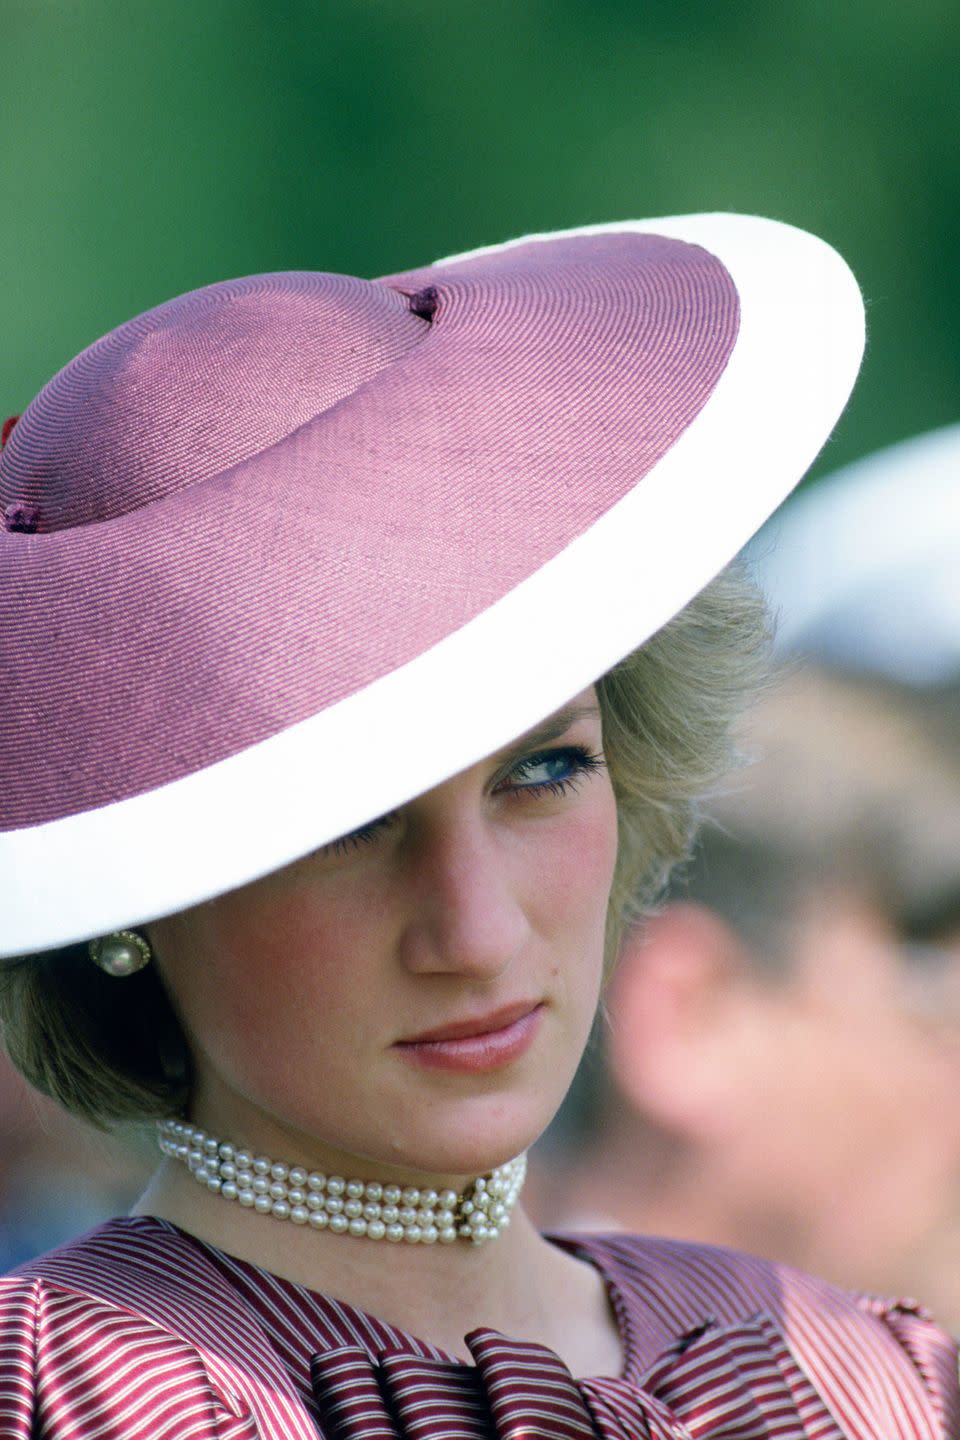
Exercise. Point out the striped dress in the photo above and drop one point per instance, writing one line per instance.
(140, 1330)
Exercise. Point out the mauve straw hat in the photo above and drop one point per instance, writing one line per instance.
(287, 551)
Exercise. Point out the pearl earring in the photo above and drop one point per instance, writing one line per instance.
(120, 954)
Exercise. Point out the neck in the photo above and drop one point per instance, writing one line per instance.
(436, 1292)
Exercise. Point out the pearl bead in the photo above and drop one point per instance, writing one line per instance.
(261, 1165)
(334, 1205)
(296, 1196)
(428, 1198)
(227, 1152)
(353, 1209)
(278, 1191)
(407, 1216)
(298, 1176)
(263, 1204)
(428, 1235)
(336, 1185)
(120, 957)
(279, 1171)
(228, 1190)
(447, 1199)
(376, 1229)
(371, 1212)
(410, 1196)
(260, 1184)
(413, 1233)
(315, 1201)
(299, 1214)
(391, 1194)
(355, 1189)
(394, 1233)
(316, 1181)
(228, 1171)
(319, 1219)
(246, 1198)
(390, 1214)
(281, 1209)
(358, 1227)
(374, 1191)
(338, 1223)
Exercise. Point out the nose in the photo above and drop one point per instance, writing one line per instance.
(466, 915)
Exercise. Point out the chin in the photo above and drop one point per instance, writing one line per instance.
(479, 1136)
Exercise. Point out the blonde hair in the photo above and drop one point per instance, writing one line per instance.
(112, 1051)
(669, 711)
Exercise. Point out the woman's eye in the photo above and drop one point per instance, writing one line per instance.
(548, 772)
(552, 772)
(355, 839)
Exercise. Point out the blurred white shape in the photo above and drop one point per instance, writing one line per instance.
(863, 569)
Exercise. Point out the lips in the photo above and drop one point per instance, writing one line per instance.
(481, 1045)
(488, 1024)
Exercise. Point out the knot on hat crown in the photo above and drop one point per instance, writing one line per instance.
(188, 390)
(18, 516)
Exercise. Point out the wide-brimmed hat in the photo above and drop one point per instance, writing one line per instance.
(287, 551)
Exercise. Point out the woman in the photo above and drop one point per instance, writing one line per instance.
(290, 563)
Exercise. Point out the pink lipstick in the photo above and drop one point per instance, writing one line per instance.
(475, 1046)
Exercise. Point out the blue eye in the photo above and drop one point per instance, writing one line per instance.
(545, 772)
(553, 772)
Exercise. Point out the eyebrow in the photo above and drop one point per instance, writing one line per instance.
(548, 730)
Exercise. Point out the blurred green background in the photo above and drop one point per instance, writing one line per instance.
(147, 148)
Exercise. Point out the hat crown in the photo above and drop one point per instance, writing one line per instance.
(195, 386)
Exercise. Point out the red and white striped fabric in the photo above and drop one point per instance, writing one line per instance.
(140, 1330)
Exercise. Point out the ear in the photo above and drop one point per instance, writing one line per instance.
(674, 1009)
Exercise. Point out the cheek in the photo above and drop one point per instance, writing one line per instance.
(574, 873)
(252, 973)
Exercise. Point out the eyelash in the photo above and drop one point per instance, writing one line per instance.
(583, 763)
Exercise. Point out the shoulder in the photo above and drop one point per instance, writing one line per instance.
(140, 1268)
(876, 1363)
(126, 1329)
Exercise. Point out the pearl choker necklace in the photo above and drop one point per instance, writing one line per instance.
(347, 1207)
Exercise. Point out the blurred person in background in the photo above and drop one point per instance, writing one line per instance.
(783, 1055)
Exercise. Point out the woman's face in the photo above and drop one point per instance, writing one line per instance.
(415, 996)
